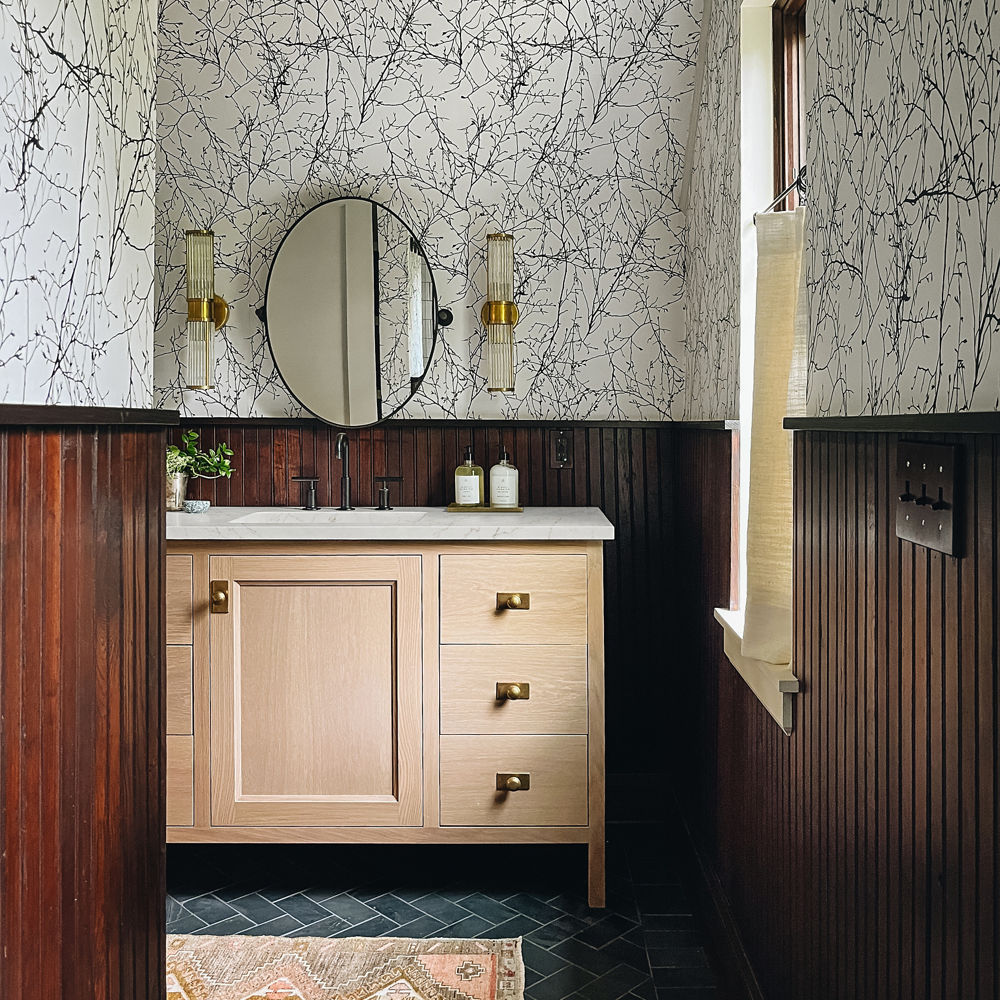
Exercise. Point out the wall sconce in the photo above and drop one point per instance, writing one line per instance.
(207, 312)
(499, 314)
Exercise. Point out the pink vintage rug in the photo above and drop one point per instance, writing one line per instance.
(234, 967)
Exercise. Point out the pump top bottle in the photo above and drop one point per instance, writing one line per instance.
(503, 482)
(469, 490)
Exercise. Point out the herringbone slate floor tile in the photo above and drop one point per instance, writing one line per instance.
(645, 946)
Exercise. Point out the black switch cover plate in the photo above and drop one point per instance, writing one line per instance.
(927, 501)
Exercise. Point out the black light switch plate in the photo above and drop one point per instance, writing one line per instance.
(927, 500)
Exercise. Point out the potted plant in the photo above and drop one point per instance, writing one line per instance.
(188, 461)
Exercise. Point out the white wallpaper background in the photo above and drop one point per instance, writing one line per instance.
(561, 122)
(76, 201)
(904, 162)
(712, 279)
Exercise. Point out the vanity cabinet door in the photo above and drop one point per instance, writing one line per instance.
(316, 691)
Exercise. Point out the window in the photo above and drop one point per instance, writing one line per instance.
(788, 20)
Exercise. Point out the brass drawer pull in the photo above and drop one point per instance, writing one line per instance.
(513, 602)
(519, 691)
(513, 782)
(220, 597)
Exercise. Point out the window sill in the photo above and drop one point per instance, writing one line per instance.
(773, 685)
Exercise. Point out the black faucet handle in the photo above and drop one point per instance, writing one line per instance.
(310, 503)
(383, 490)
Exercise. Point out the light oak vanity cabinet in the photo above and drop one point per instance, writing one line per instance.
(418, 690)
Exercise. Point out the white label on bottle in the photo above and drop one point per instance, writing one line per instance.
(503, 490)
(466, 489)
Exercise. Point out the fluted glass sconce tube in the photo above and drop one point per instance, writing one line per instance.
(415, 326)
(206, 311)
(500, 314)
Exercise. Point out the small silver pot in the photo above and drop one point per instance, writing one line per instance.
(176, 488)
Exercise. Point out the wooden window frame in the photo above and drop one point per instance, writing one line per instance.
(789, 27)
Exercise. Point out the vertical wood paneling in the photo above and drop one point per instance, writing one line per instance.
(81, 713)
(860, 854)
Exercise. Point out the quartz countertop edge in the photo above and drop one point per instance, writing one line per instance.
(400, 524)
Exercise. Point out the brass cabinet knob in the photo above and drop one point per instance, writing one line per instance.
(219, 591)
(513, 691)
(513, 602)
(507, 782)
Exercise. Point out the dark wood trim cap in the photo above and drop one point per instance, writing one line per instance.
(19, 415)
(902, 423)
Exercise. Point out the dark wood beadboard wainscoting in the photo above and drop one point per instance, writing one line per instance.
(82, 889)
(859, 856)
(621, 468)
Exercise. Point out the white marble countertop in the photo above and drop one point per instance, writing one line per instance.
(400, 524)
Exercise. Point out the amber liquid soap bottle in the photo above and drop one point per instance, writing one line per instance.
(469, 482)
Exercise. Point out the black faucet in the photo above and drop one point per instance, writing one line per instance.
(343, 453)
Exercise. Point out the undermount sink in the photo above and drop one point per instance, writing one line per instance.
(330, 516)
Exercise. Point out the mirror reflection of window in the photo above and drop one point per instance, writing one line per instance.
(351, 311)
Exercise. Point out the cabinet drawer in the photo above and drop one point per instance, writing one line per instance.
(557, 795)
(556, 589)
(180, 781)
(179, 629)
(179, 691)
(557, 679)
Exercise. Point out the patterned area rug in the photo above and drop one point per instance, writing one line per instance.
(233, 967)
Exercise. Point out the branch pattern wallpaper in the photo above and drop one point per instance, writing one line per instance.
(712, 273)
(563, 122)
(76, 201)
(904, 161)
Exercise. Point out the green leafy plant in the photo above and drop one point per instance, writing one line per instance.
(198, 464)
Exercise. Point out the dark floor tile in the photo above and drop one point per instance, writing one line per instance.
(424, 926)
(687, 994)
(348, 908)
(644, 991)
(375, 927)
(530, 978)
(487, 908)
(279, 926)
(175, 909)
(237, 924)
(328, 926)
(532, 906)
(668, 922)
(678, 958)
(623, 950)
(470, 927)
(604, 931)
(210, 908)
(594, 961)
(185, 923)
(304, 909)
(517, 926)
(391, 906)
(567, 982)
(441, 908)
(257, 908)
(697, 978)
(619, 982)
(540, 959)
(687, 937)
(557, 931)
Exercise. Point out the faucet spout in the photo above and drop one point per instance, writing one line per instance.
(342, 451)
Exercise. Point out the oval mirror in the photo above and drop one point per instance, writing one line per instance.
(350, 310)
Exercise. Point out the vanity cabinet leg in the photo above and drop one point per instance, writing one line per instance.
(596, 871)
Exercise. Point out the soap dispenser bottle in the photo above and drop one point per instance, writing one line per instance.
(503, 482)
(469, 482)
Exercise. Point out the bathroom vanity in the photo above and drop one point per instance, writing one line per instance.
(403, 676)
